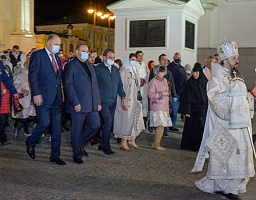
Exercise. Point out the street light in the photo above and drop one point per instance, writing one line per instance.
(95, 13)
(109, 17)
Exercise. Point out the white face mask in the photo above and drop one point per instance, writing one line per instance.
(110, 62)
(55, 49)
(84, 56)
(133, 63)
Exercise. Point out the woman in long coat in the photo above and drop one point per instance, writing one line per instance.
(129, 124)
(194, 104)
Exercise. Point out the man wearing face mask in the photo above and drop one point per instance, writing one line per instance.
(15, 55)
(83, 101)
(110, 84)
(180, 79)
(45, 81)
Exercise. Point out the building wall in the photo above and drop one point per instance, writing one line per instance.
(175, 16)
(17, 24)
(104, 37)
(230, 20)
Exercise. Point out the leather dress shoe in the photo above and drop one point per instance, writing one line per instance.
(30, 150)
(83, 152)
(108, 152)
(78, 160)
(58, 161)
(173, 128)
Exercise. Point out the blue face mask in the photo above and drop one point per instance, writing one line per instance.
(84, 56)
(55, 49)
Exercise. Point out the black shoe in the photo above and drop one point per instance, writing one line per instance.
(83, 152)
(94, 142)
(30, 150)
(166, 135)
(58, 161)
(5, 141)
(78, 160)
(100, 148)
(109, 152)
(173, 128)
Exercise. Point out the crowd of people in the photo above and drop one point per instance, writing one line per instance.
(103, 95)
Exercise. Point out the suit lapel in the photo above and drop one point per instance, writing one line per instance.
(80, 67)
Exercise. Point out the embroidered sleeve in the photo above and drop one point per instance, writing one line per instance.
(218, 99)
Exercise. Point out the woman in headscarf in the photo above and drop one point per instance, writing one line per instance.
(128, 124)
(158, 92)
(194, 104)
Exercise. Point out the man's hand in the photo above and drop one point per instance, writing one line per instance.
(38, 100)
(77, 108)
(99, 107)
(125, 107)
(174, 99)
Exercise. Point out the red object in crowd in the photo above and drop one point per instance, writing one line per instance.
(149, 66)
(5, 106)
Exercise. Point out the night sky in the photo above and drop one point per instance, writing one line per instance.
(50, 10)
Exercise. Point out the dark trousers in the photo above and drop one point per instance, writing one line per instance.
(19, 123)
(80, 135)
(107, 117)
(3, 122)
(48, 116)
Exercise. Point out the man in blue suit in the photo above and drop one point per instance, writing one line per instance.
(83, 101)
(110, 84)
(45, 81)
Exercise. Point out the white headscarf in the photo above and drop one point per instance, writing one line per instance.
(127, 64)
(23, 57)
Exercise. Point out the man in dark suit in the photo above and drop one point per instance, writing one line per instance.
(83, 101)
(45, 81)
(110, 84)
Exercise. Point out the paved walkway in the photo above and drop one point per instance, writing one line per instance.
(140, 174)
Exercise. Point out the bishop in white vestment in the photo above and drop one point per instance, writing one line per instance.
(227, 139)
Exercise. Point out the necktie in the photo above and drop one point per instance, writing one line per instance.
(54, 63)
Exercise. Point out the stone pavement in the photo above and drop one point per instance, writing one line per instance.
(140, 174)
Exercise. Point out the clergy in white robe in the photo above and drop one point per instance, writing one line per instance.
(143, 72)
(227, 139)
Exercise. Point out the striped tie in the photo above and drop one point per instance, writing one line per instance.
(54, 63)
